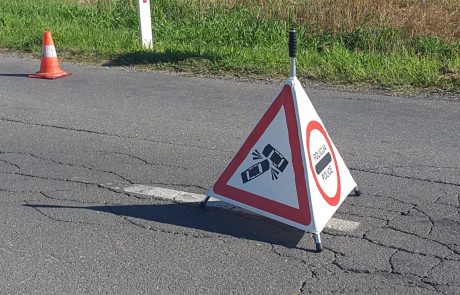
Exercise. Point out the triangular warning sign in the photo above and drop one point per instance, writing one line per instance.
(270, 157)
(288, 169)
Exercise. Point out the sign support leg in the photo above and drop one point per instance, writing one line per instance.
(317, 238)
(203, 203)
(356, 191)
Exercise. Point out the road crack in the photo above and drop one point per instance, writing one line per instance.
(27, 204)
(11, 164)
(111, 134)
(428, 277)
(147, 162)
(68, 165)
(428, 239)
(428, 217)
(404, 176)
(81, 166)
(75, 201)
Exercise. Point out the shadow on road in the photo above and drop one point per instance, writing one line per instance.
(14, 75)
(221, 221)
(146, 57)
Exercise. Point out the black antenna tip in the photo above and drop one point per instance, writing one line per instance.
(292, 43)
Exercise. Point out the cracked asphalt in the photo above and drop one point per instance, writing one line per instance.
(68, 146)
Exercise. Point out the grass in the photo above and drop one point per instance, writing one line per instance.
(396, 44)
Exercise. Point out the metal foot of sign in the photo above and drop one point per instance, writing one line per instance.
(319, 246)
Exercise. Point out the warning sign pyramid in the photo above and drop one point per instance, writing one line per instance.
(288, 169)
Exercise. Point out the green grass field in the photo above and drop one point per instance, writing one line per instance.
(242, 38)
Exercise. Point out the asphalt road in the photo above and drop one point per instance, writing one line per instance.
(70, 148)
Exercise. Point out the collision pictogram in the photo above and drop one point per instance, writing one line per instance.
(270, 157)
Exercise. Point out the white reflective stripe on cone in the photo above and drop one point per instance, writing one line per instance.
(49, 51)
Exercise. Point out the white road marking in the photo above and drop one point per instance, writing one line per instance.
(186, 197)
(342, 225)
(176, 196)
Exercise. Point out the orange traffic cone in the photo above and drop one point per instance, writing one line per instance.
(49, 67)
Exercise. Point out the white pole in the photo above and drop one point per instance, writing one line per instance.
(145, 23)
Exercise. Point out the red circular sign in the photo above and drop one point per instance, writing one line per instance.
(331, 200)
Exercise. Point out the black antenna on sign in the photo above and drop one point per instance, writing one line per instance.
(292, 51)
